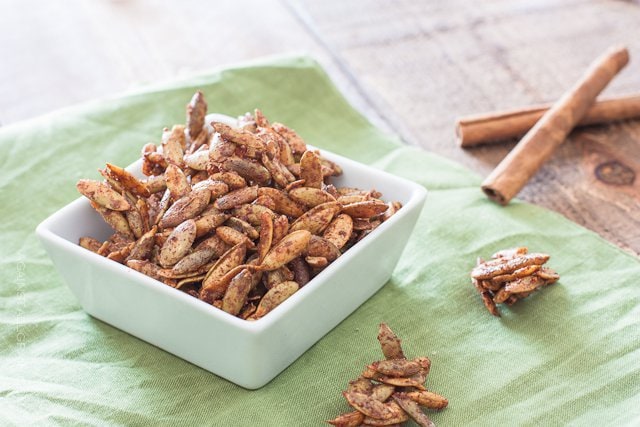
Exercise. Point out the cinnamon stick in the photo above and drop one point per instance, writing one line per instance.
(550, 131)
(497, 126)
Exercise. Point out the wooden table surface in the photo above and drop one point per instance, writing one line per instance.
(411, 66)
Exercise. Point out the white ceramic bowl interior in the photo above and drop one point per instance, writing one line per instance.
(246, 353)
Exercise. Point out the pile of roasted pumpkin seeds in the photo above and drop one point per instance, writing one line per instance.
(391, 391)
(511, 275)
(238, 216)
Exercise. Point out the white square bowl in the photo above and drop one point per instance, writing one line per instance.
(249, 354)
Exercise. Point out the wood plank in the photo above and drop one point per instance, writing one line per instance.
(56, 54)
(426, 63)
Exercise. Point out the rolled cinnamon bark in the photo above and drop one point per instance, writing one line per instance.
(550, 131)
(497, 126)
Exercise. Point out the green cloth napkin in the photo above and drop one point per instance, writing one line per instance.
(569, 354)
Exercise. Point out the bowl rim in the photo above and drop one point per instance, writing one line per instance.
(416, 197)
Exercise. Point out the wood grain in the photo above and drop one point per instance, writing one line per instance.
(412, 67)
(59, 53)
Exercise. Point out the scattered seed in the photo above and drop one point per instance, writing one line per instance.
(178, 243)
(186, 207)
(511, 275)
(274, 297)
(213, 287)
(236, 295)
(339, 230)
(365, 209)
(236, 198)
(413, 410)
(102, 194)
(290, 247)
(428, 399)
(351, 419)
(196, 111)
(90, 243)
(390, 343)
(389, 392)
(316, 219)
(397, 367)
